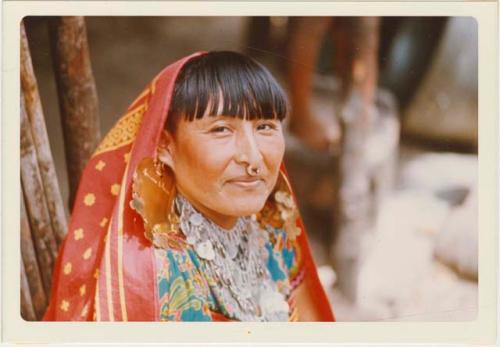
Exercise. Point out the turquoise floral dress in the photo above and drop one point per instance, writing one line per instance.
(186, 292)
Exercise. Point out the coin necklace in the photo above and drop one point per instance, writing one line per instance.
(236, 261)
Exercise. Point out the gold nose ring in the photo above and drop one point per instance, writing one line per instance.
(252, 171)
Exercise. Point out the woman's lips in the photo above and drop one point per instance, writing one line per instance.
(246, 181)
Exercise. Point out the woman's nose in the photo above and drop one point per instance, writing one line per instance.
(248, 151)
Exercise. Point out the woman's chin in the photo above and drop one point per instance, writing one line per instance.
(246, 206)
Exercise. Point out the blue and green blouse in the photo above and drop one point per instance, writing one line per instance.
(185, 290)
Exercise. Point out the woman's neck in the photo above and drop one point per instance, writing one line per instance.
(224, 221)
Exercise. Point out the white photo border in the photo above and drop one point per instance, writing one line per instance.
(482, 330)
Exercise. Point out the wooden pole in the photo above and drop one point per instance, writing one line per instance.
(27, 311)
(356, 41)
(258, 35)
(34, 112)
(77, 94)
(36, 205)
(32, 271)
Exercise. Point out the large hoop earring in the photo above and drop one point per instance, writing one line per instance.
(153, 198)
(280, 210)
(287, 207)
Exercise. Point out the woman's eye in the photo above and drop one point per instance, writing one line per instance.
(220, 130)
(266, 126)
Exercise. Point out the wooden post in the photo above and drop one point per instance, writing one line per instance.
(30, 266)
(77, 94)
(36, 205)
(41, 142)
(27, 311)
(356, 42)
(258, 35)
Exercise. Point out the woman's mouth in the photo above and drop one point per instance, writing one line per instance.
(246, 182)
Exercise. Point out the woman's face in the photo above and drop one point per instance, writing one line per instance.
(210, 157)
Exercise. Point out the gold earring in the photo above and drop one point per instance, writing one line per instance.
(153, 198)
(280, 211)
(167, 234)
(173, 220)
(159, 167)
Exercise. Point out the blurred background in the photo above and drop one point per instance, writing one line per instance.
(381, 141)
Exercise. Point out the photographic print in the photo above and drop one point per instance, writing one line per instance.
(252, 169)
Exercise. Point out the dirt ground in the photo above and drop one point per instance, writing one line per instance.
(401, 278)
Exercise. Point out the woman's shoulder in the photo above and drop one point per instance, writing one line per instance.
(279, 220)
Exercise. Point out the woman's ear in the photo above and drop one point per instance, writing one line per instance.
(166, 149)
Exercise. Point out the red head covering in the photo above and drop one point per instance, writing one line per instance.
(106, 267)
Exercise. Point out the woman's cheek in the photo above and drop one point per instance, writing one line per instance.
(274, 149)
(216, 159)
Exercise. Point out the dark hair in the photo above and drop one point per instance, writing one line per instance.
(226, 83)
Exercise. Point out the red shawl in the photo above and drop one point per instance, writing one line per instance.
(105, 269)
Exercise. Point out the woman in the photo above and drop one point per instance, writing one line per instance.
(185, 212)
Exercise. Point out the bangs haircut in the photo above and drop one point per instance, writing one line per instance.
(226, 83)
